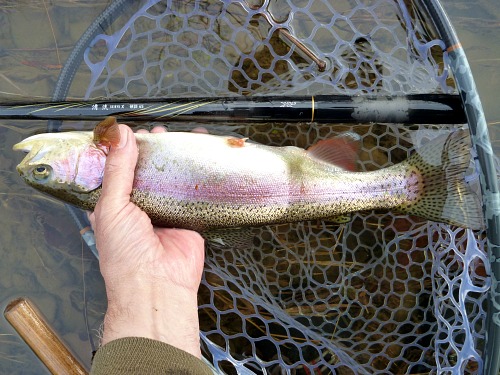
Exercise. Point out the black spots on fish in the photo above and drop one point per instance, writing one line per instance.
(83, 200)
(415, 184)
(202, 215)
(444, 195)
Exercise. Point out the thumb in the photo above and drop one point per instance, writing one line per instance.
(119, 171)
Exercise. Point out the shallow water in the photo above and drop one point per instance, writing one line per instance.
(43, 256)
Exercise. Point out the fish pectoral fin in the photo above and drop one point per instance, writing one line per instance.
(107, 134)
(341, 151)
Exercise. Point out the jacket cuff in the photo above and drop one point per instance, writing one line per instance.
(139, 355)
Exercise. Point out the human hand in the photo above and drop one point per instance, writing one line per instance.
(151, 274)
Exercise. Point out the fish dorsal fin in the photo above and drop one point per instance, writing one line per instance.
(341, 151)
(107, 133)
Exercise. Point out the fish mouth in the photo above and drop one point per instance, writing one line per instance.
(23, 146)
(32, 147)
(27, 145)
(44, 140)
(23, 166)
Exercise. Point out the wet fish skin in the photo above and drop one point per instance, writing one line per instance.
(201, 181)
(73, 166)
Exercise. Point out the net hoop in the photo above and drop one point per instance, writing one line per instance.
(457, 63)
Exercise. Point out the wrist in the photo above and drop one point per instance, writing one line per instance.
(155, 310)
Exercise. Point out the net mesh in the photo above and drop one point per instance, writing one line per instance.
(379, 293)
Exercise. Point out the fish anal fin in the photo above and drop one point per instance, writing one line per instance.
(238, 238)
(341, 151)
(107, 133)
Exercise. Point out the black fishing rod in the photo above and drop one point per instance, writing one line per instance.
(408, 109)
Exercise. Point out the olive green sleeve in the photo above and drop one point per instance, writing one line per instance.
(139, 355)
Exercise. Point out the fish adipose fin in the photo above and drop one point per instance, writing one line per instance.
(445, 195)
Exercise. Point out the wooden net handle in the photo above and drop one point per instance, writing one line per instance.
(34, 330)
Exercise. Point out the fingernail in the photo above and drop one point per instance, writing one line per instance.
(123, 136)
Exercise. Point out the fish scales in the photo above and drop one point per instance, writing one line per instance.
(202, 181)
(205, 191)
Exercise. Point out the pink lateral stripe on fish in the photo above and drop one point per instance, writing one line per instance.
(201, 181)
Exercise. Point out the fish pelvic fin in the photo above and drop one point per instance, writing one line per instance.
(446, 196)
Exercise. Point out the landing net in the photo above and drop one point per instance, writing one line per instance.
(381, 293)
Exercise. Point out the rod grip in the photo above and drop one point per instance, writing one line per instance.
(29, 323)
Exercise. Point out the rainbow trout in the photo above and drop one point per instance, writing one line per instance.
(201, 181)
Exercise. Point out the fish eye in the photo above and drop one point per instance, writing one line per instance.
(41, 172)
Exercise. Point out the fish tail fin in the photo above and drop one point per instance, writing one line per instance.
(446, 196)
